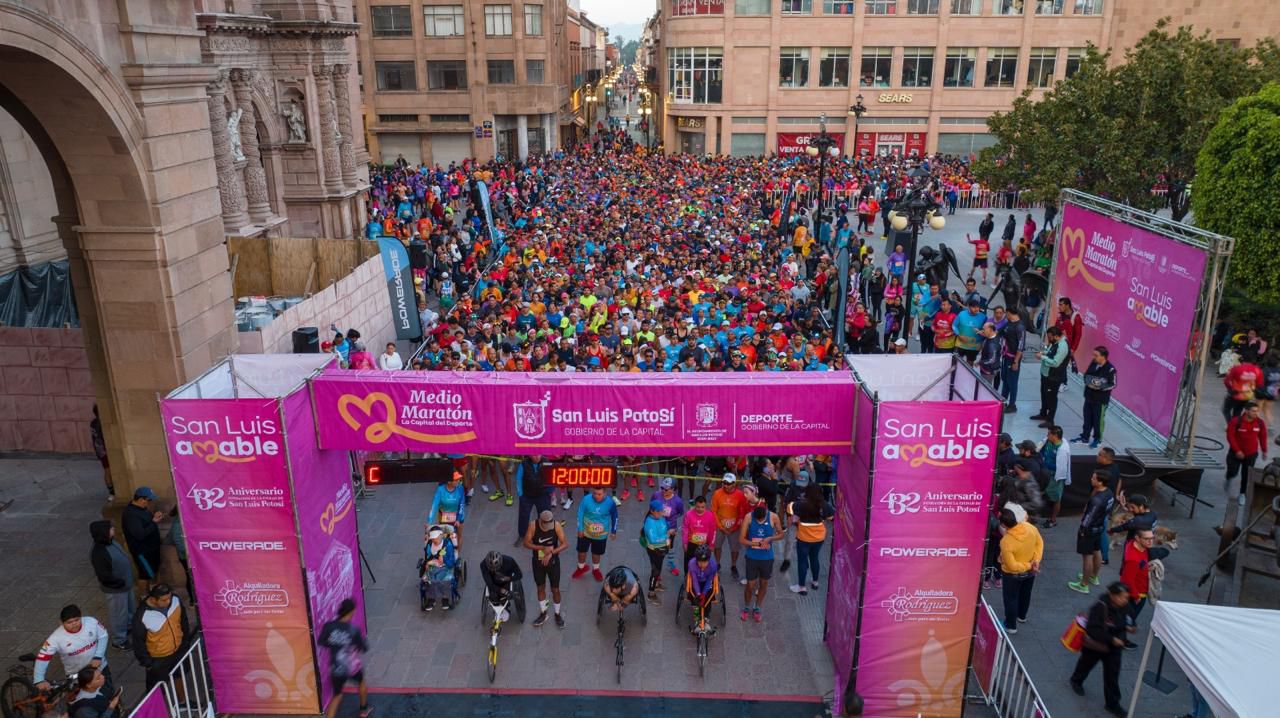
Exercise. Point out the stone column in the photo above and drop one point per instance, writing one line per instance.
(255, 177)
(341, 93)
(230, 184)
(522, 137)
(331, 170)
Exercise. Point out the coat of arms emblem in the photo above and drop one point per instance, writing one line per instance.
(531, 418)
(706, 414)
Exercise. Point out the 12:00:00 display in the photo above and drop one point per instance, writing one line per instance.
(582, 475)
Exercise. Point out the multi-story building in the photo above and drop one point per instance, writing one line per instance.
(752, 76)
(443, 81)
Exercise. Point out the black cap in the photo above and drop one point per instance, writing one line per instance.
(1027, 444)
(1139, 500)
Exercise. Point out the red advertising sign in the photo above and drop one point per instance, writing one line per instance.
(915, 144)
(865, 144)
(683, 8)
(794, 143)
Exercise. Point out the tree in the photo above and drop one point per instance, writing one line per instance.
(1118, 131)
(1237, 173)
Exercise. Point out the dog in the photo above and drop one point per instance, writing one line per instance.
(1164, 536)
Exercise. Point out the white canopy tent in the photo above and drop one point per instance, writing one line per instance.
(1228, 653)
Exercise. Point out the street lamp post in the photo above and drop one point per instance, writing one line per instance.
(857, 109)
(820, 146)
(590, 99)
(916, 209)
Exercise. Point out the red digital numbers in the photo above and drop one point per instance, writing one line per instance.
(587, 476)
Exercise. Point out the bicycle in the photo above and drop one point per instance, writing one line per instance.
(702, 628)
(19, 697)
(619, 644)
(516, 595)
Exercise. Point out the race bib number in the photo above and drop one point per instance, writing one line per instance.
(594, 529)
(698, 538)
(448, 517)
(727, 524)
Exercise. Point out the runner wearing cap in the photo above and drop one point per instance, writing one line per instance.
(545, 538)
(672, 511)
(655, 537)
(729, 506)
(449, 505)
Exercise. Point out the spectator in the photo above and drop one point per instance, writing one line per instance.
(1015, 343)
(1242, 382)
(99, 441)
(1021, 551)
(1099, 381)
(1246, 439)
(142, 535)
(1090, 535)
(1053, 374)
(94, 697)
(160, 632)
(1070, 324)
(1104, 639)
(1135, 571)
(389, 360)
(178, 539)
(115, 578)
(79, 641)
(1055, 457)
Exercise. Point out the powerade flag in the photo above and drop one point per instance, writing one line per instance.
(482, 189)
(404, 304)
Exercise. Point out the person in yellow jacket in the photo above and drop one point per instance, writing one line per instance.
(1021, 550)
(160, 633)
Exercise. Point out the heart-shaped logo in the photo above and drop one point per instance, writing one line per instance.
(328, 519)
(377, 431)
(1073, 251)
(913, 454)
(207, 450)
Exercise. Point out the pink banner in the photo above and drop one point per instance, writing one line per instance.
(934, 466)
(153, 705)
(986, 639)
(1136, 292)
(327, 522)
(229, 470)
(602, 414)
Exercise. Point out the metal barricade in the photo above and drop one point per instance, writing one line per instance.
(188, 690)
(1008, 690)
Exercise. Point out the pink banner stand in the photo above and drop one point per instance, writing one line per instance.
(910, 532)
(270, 522)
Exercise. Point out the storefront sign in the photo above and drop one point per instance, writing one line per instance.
(865, 144)
(894, 98)
(691, 123)
(915, 144)
(794, 143)
(604, 414)
(685, 8)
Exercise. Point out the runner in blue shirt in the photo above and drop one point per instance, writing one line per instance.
(597, 523)
(449, 504)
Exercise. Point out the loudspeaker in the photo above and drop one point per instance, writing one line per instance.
(417, 254)
(306, 340)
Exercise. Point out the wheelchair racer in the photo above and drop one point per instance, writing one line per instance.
(702, 580)
(502, 577)
(621, 587)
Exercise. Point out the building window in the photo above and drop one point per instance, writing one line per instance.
(451, 118)
(533, 20)
(502, 72)
(1074, 57)
(964, 143)
(749, 120)
(397, 118)
(1002, 66)
(753, 7)
(443, 20)
(797, 7)
(837, 7)
(1049, 7)
(917, 67)
(497, 20)
(746, 144)
(391, 21)
(1088, 7)
(395, 76)
(958, 71)
(882, 7)
(535, 71)
(793, 67)
(876, 63)
(966, 7)
(922, 7)
(833, 70)
(1040, 67)
(695, 74)
(1006, 7)
(447, 75)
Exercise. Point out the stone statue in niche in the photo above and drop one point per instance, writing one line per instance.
(233, 132)
(297, 122)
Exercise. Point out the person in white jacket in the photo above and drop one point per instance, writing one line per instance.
(81, 642)
(390, 360)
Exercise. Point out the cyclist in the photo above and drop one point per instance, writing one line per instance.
(546, 539)
(449, 506)
(702, 581)
(597, 523)
(502, 577)
(621, 587)
(80, 641)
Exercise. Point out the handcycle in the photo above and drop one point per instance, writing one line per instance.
(701, 626)
(516, 596)
(618, 643)
(19, 697)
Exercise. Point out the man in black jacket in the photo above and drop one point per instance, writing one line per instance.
(115, 577)
(142, 535)
(1104, 643)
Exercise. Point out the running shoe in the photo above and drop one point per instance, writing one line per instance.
(595, 573)
(510, 500)
(559, 621)
(796, 588)
(567, 503)
(431, 604)
(1078, 587)
(580, 572)
(733, 571)
(495, 495)
(756, 614)
(541, 619)
(639, 495)
(626, 494)
(1094, 444)
(745, 614)
(484, 488)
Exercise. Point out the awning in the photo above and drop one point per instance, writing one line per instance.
(579, 122)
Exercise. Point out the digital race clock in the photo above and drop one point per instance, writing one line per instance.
(580, 475)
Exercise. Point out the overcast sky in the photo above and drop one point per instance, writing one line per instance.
(612, 13)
